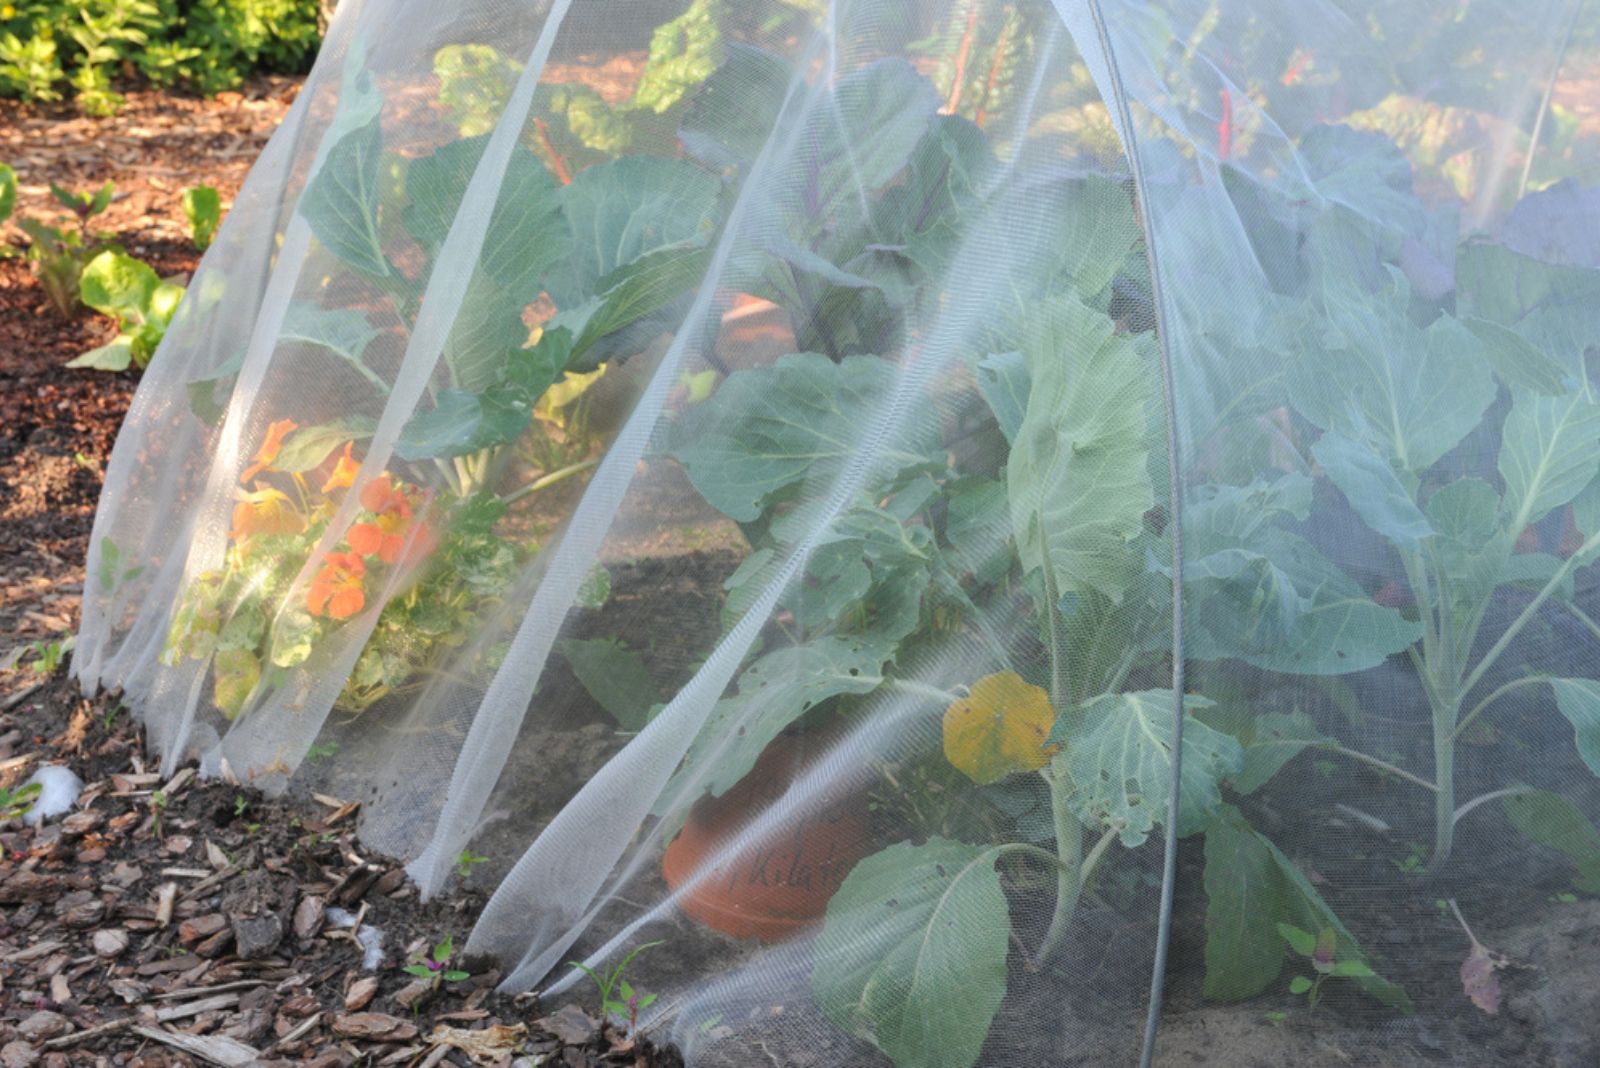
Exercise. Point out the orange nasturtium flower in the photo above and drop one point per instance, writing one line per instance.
(343, 475)
(267, 455)
(264, 512)
(386, 534)
(999, 728)
(336, 591)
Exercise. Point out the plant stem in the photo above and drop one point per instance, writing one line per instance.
(1589, 546)
(1069, 848)
(1444, 777)
(1381, 765)
(546, 481)
(1481, 705)
(1492, 795)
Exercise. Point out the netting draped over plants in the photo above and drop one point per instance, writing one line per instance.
(953, 514)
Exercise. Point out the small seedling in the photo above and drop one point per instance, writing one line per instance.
(467, 861)
(322, 751)
(49, 655)
(618, 998)
(59, 254)
(433, 965)
(203, 207)
(1413, 860)
(142, 304)
(1322, 950)
(158, 805)
(16, 801)
(110, 717)
(239, 805)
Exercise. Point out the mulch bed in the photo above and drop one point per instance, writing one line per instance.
(173, 921)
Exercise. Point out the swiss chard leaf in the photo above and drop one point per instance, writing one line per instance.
(912, 955)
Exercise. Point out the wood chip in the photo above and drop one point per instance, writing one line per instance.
(213, 1049)
(166, 899)
(376, 1026)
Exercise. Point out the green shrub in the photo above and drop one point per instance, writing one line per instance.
(204, 45)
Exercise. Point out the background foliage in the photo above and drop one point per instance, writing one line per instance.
(52, 49)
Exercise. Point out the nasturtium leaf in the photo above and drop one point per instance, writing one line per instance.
(768, 428)
(1078, 478)
(1121, 764)
(774, 691)
(1552, 820)
(1579, 701)
(615, 677)
(912, 955)
(999, 728)
(234, 674)
(1549, 451)
(1373, 489)
(341, 203)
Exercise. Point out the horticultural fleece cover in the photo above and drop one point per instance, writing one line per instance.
(963, 519)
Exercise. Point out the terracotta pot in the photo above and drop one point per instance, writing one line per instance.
(776, 887)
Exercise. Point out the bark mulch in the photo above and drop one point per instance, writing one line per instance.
(169, 921)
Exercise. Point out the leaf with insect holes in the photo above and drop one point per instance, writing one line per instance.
(1122, 764)
(999, 728)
